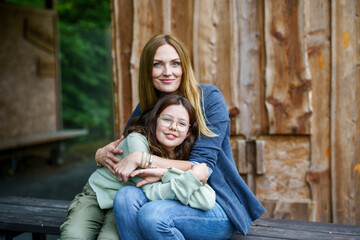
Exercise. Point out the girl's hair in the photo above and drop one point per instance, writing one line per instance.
(147, 123)
(188, 87)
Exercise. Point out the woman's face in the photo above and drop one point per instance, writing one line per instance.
(172, 126)
(167, 70)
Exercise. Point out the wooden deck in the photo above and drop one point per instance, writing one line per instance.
(44, 216)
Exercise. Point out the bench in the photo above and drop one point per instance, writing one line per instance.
(44, 216)
(17, 147)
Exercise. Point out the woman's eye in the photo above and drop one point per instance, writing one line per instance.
(176, 63)
(156, 64)
(182, 124)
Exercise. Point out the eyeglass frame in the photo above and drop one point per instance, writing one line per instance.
(171, 122)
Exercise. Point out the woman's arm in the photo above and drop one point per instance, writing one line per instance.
(106, 156)
(132, 161)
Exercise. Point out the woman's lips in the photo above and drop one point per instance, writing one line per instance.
(167, 81)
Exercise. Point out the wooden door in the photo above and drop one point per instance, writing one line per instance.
(275, 62)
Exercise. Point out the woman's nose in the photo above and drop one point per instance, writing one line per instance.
(166, 71)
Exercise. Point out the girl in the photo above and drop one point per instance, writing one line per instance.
(168, 130)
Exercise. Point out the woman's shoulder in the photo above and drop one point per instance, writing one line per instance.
(211, 94)
(207, 88)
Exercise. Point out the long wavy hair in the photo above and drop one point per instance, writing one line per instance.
(189, 87)
(146, 124)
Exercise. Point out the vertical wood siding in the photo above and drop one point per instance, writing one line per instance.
(289, 71)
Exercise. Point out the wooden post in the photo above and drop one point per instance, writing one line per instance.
(317, 36)
(345, 111)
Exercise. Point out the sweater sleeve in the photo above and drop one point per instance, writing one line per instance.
(182, 186)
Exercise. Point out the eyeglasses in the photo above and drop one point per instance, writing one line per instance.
(182, 125)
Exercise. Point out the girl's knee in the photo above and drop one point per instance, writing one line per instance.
(154, 214)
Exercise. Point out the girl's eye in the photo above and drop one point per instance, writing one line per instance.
(167, 119)
(156, 64)
(176, 63)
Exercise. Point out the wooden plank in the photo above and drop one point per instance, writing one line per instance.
(286, 160)
(265, 228)
(32, 215)
(41, 138)
(317, 33)
(121, 34)
(248, 70)
(287, 73)
(211, 53)
(182, 22)
(345, 111)
(148, 20)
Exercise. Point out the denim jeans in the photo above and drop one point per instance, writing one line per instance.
(136, 218)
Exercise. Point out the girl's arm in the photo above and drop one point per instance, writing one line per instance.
(178, 185)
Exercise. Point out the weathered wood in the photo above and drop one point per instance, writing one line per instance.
(230, 43)
(32, 214)
(260, 151)
(44, 216)
(287, 73)
(36, 139)
(285, 229)
(317, 35)
(149, 17)
(345, 111)
(182, 22)
(248, 69)
(121, 32)
(286, 160)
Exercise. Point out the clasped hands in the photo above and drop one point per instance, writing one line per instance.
(128, 166)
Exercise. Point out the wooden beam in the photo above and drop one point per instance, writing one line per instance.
(345, 111)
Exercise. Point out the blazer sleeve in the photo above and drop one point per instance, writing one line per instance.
(206, 149)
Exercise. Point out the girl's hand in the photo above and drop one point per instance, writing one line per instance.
(127, 165)
(201, 172)
(150, 175)
(106, 155)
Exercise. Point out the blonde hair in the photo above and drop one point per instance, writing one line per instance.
(189, 87)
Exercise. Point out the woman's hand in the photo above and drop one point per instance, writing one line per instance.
(106, 155)
(127, 165)
(150, 175)
(201, 172)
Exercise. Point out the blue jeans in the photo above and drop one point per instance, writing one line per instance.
(136, 218)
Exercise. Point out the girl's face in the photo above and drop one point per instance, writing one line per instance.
(167, 70)
(172, 126)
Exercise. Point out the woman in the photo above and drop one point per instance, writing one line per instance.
(169, 129)
(165, 68)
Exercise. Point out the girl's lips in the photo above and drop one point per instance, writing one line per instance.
(170, 136)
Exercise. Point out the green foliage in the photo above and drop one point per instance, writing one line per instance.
(85, 58)
(86, 66)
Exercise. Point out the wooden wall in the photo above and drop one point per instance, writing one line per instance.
(29, 88)
(290, 73)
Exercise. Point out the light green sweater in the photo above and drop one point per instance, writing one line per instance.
(174, 185)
